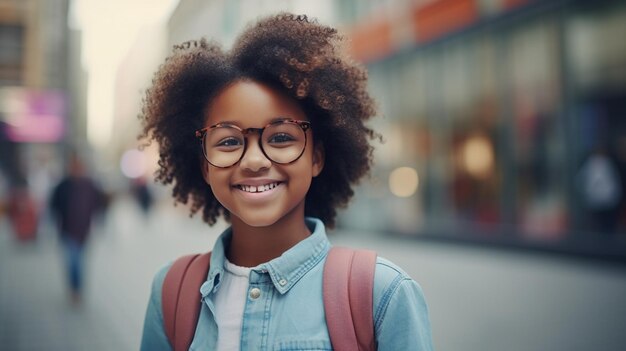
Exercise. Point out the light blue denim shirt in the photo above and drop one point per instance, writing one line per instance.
(289, 313)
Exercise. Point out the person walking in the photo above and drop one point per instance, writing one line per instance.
(73, 202)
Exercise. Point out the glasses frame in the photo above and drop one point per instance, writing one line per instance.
(201, 133)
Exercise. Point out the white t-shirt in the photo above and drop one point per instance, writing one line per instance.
(230, 301)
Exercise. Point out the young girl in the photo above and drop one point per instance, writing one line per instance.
(280, 122)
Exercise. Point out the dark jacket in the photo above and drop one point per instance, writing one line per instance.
(74, 201)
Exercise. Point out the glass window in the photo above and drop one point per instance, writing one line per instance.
(11, 54)
(533, 93)
(513, 131)
(470, 108)
(396, 179)
(597, 57)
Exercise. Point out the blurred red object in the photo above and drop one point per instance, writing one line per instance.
(23, 216)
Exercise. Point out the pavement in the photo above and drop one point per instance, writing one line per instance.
(124, 251)
(479, 298)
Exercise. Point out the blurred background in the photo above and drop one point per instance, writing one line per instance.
(500, 187)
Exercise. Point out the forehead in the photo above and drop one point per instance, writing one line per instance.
(251, 104)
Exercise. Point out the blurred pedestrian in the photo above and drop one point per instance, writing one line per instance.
(4, 197)
(22, 212)
(602, 191)
(73, 202)
(142, 194)
(271, 136)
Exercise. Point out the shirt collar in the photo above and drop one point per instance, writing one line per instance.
(218, 257)
(285, 270)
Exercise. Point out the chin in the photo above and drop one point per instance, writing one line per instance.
(259, 221)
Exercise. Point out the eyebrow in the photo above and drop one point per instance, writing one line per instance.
(273, 120)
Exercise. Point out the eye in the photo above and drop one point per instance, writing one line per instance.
(280, 138)
(229, 142)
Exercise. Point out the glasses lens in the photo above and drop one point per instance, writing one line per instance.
(283, 142)
(223, 146)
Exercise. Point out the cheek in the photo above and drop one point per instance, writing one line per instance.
(218, 181)
(305, 173)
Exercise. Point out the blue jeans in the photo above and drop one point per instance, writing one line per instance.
(74, 264)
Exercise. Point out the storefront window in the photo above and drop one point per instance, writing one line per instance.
(532, 68)
(512, 132)
(11, 54)
(598, 82)
(398, 178)
(470, 106)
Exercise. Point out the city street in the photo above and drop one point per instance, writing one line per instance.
(484, 143)
(480, 299)
(124, 251)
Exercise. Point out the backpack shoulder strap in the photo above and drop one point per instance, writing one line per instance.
(180, 299)
(348, 298)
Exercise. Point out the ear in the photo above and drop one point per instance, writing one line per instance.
(204, 167)
(319, 156)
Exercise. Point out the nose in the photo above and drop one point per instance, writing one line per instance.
(253, 157)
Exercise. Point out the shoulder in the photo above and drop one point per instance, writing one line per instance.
(61, 185)
(389, 276)
(401, 320)
(153, 337)
(157, 285)
(393, 286)
(58, 193)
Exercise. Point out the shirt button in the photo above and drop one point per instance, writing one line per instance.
(282, 282)
(255, 293)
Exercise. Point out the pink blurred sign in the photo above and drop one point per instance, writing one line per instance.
(35, 116)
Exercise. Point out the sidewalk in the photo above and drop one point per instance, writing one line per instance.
(480, 299)
(35, 313)
(123, 254)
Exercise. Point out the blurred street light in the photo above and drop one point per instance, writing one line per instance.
(133, 164)
(403, 181)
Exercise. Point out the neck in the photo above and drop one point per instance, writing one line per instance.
(251, 246)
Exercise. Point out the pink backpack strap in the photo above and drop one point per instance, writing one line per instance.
(180, 298)
(348, 290)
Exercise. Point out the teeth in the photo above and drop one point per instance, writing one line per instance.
(257, 189)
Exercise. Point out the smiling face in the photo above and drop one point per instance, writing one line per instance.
(256, 190)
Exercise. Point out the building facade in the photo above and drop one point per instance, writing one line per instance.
(36, 109)
(509, 115)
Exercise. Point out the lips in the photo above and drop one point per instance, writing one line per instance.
(257, 188)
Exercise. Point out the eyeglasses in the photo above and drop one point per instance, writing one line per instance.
(282, 142)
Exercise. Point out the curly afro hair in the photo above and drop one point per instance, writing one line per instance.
(298, 56)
